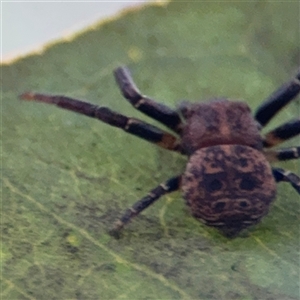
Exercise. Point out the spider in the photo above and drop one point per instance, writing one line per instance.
(228, 182)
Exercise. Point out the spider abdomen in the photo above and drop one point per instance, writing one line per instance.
(228, 186)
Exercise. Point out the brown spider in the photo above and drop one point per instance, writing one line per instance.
(228, 182)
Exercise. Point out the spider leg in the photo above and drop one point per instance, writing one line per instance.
(276, 101)
(133, 126)
(287, 176)
(283, 154)
(168, 186)
(282, 133)
(151, 108)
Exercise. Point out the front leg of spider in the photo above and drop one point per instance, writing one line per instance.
(146, 105)
(133, 126)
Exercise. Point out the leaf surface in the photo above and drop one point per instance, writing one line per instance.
(66, 177)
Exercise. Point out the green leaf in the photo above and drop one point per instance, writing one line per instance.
(66, 177)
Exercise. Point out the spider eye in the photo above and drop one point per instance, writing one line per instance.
(215, 185)
(247, 184)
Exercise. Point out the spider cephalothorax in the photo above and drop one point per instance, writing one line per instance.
(228, 182)
(218, 122)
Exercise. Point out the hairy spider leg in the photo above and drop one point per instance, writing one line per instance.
(276, 101)
(287, 176)
(133, 126)
(282, 133)
(280, 98)
(151, 108)
(283, 154)
(167, 187)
